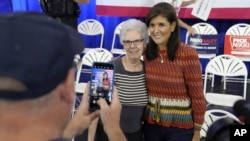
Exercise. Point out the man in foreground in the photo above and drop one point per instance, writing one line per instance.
(37, 82)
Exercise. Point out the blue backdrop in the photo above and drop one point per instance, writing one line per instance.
(5, 6)
(109, 22)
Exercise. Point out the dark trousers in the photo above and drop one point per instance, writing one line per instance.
(71, 21)
(136, 136)
(101, 135)
(154, 132)
(82, 137)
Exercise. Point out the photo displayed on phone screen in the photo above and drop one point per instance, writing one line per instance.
(101, 83)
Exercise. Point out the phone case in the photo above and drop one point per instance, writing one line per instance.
(102, 83)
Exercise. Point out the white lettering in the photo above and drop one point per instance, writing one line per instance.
(211, 47)
(195, 40)
(240, 43)
(239, 40)
(237, 132)
(240, 132)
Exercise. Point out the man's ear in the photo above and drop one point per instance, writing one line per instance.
(68, 87)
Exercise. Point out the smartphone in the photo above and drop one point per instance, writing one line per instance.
(101, 84)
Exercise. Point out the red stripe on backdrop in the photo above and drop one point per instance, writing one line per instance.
(216, 13)
(220, 13)
(122, 11)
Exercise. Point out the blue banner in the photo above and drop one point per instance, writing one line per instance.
(204, 44)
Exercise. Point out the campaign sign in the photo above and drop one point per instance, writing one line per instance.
(237, 45)
(239, 132)
(202, 9)
(204, 44)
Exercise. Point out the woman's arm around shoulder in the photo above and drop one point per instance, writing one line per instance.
(82, 1)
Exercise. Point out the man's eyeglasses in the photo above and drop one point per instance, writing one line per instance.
(135, 42)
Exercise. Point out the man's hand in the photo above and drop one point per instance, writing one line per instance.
(191, 30)
(110, 116)
(194, 1)
(81, 119)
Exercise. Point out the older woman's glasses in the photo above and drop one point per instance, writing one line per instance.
(135, 42)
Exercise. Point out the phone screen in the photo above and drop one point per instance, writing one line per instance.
(102, 78)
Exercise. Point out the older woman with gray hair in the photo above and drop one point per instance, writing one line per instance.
(129, 81)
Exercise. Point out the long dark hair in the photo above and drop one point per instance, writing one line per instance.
(166, 10)
(105, 73)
